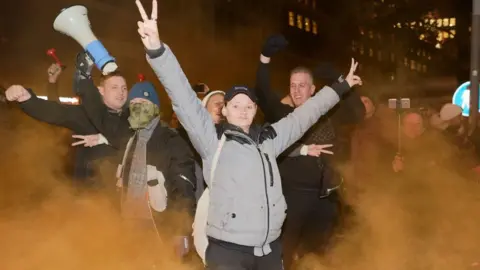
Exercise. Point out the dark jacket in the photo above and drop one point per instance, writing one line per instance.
(76, 119)
(170, 155)
(305, 171)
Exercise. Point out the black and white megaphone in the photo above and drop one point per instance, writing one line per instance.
(73, 22)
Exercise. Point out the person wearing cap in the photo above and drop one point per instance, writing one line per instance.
(451, 118)
(246, 207)
(214, 101)
(157, 162)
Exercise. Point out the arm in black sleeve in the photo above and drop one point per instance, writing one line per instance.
(182, 172)
(269, 102)
(52, 92)
(350, 110)
(51, 112)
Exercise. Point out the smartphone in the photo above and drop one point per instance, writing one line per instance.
(403, 103)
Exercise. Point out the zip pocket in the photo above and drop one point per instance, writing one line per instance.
(270, 170)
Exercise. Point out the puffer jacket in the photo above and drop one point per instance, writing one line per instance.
(247, 206)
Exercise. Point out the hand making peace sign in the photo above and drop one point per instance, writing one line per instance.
(351, 78)
(148, 28)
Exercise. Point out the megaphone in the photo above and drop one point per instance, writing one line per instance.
(73, 22)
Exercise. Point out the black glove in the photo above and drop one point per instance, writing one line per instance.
(84, 64)
(326, 71)
(273, 45)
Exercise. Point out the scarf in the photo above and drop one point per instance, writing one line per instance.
(321, 133)
(135, 199)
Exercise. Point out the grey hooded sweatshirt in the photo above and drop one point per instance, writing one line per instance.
(247, 206)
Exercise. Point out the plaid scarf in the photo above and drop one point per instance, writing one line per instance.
(135, 198)
(321, 133)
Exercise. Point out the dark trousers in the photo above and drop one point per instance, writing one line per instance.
(221, 255)
(310, 222)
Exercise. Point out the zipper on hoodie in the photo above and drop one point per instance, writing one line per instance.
(265, 184)
(270, 169)
(266, 196)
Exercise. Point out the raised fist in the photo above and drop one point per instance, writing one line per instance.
(53, 72)
(17, 93)
(273, 45)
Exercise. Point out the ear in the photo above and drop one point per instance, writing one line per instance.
(101, 89)
(224, 111)
(312, 89)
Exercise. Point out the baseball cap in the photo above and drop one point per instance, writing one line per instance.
(450, 111)
(239, 89)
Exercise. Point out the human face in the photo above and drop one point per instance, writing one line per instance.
(369, 107)
(301, 87)
(114, 92)
(240, 111)
(413, 125)
(214, 107)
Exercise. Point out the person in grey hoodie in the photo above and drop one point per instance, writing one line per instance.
(247, 206)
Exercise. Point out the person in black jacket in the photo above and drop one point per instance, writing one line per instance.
(159, 163)
(113, 89)
(307, 173)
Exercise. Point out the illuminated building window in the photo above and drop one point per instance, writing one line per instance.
(405, 61)
(432, 21)
(438, 46)
(421, 37)
(370, 34)
(300, 21)
(307, 24)
(419, 52)
(392, 57)
(453, 32)
(370, 52)
(424, 68)
(420, 24)
(379, 56)
(314, 27)
(440, 37)
(446, 22)
(412, 65)
(291, 18)
(453, 22)
(445, 35)
(439, 22)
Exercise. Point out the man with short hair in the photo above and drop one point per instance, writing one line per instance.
(308, 175)
(113, 89)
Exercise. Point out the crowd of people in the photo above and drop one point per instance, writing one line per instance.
(258, 195)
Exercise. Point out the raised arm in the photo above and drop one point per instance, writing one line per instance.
(51, 112)
(190, 112)
(292, 127)
(188, 108)
(268, 100)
